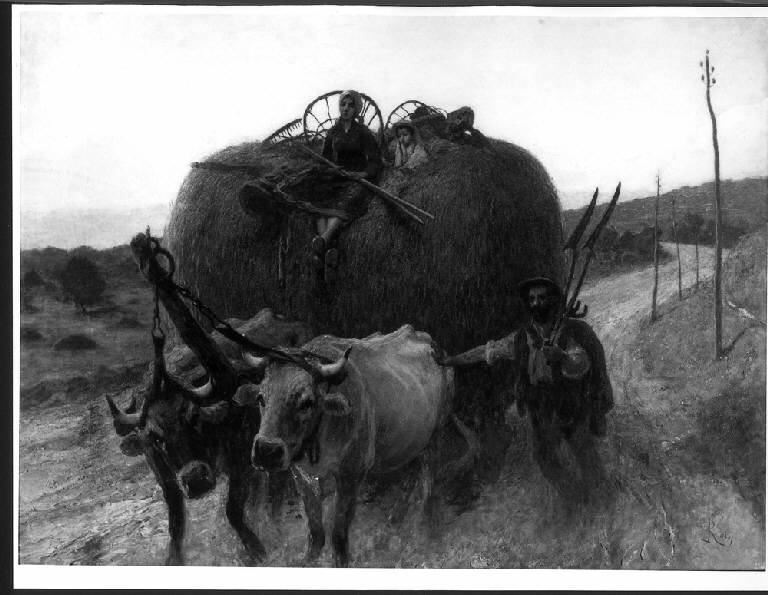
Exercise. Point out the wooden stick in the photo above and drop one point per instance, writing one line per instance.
(373, 187)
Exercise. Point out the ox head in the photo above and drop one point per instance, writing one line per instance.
(176, 427)
(292, 398)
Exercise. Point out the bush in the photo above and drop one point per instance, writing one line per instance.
(75, 342)
(32, 279)
(30, 334)
(732, 439)
(82, 281)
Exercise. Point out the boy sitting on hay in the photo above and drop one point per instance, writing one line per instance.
(406, 148)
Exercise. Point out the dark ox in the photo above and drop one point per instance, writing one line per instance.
(375, 409)
(190, 435)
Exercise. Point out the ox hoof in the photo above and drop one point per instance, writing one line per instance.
(174, 558)
(256, 552)
(314, 549)
(341, 562)
(311, 556)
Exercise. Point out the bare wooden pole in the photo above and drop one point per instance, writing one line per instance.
(697, 260)
(655, 249)
(718, 309)
(677, 245)
(400, 203)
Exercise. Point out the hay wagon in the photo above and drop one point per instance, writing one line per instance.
(497, 221)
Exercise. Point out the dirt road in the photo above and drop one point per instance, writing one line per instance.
(83, 502)
(618, 302)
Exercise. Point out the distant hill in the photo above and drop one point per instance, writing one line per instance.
(98, 228)
(745, 205)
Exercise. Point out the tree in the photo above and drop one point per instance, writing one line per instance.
(690, 230)
(655, 249)
(29, 281)
(718, 310)
(82, 281)
(677, 245)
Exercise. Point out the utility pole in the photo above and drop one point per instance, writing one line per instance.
(677, 244)
(697, 259)
(718, 310)
(655, 249)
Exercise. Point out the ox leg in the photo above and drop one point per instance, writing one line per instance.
(588, 459)
(428, 463)
(309, 489)
(343, 513)
(239, 486)
(174, 499)
(546, 440)
(400, 508)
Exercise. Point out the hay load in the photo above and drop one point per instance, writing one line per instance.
(497, 221)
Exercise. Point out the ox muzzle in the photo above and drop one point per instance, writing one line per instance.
(196, 479)
(269, 454)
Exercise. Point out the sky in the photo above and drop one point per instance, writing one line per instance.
(113, 103)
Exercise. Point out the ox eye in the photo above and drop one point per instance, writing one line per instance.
(157, 439)
(305, 403)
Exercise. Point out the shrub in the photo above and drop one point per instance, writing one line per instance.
(82, 281)
(75, 342)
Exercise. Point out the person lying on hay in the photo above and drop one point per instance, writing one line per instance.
(561, 381)
(353, 147)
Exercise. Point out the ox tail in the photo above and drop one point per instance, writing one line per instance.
(467, 460)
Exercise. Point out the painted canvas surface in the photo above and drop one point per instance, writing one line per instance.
(389, 288)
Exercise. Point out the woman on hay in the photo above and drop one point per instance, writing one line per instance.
(353, 147)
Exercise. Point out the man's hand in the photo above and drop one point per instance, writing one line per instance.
(553, 354)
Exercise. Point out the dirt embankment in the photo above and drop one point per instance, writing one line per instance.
(83, 502)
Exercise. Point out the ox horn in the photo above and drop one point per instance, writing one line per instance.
(125, 423)
(258, 363)
(337, 367)
(214, 413)
(197, 392)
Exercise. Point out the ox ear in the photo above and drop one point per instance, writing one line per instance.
(247, 395)
(131, 445)
(336, 404)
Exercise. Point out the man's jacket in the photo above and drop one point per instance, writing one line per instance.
(572, 394)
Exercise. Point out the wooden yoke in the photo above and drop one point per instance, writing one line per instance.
(213, 359)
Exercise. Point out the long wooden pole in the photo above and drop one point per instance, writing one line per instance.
(697, 260)
(718, 310)
(396, 200)
(655, 249)
(677, 245)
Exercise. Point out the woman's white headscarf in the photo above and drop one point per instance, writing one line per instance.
(357, 100)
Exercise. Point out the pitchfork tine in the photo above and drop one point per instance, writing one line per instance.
(590, 243)
(573, 241)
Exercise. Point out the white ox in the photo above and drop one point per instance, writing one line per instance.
(375, 409)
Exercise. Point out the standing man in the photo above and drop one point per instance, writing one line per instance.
(561, 381)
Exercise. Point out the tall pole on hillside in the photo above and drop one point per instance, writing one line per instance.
(710, 81)
(697, 259)
(655, 249)
(677, 245)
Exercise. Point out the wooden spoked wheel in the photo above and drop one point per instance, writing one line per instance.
(321, 114)
(293, 130)
(413, 109)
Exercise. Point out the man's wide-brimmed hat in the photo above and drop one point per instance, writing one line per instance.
(524, 286)
(403, 124)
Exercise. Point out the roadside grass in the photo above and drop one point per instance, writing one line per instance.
(683, 450)
(118, 347)
(710, 415)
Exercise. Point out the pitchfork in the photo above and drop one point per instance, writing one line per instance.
(572, 305)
